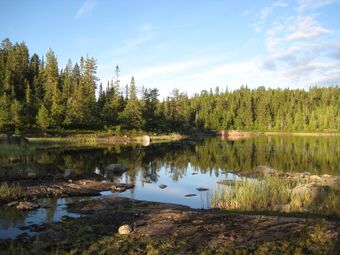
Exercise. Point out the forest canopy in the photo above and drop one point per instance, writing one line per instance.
(36, 94)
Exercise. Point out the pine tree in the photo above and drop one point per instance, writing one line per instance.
(51, 74)
(42, 118)
(132, 117)
(4, 113)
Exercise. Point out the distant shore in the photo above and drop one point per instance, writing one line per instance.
(236, 134)
(325, 133)
(102, 138)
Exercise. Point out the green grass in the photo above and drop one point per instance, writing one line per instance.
(79, 140)
(8, 192)
(273, 193)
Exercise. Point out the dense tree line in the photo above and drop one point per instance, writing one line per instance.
(35, 93)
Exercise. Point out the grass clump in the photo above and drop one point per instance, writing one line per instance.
(255, 195)
(8, 192)
(273, 193)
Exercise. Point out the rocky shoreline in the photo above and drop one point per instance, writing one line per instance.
(114, 225)
(174, 229)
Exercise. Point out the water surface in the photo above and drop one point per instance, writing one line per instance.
(182, 166)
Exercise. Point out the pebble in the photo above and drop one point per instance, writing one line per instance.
(125, 229)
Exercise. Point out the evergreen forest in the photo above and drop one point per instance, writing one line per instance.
(36, 94)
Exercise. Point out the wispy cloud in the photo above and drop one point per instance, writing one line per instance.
(264, 14)
(86, 8)
(301, 51)
(307, 28)
(146, 33)
(313, 4)
(245, 13)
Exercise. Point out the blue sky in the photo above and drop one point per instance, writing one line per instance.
(190, 45)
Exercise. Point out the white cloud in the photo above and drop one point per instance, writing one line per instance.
(313, 4)
(307, 28)
(86, 8)
(280, 4)
(299, 54)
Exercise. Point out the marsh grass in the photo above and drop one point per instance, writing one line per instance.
(8, 192)
(273, 193)
(60, 141)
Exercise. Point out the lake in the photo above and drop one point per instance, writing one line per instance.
(182, 166)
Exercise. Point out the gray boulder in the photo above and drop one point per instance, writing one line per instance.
(266, 170)
(116, 168)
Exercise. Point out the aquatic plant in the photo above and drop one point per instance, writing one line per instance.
(10, 191)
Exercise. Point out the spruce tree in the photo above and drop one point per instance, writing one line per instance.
(42, 118)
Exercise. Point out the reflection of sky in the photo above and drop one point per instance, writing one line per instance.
(11, 220)
(176, 190)
(52, 210)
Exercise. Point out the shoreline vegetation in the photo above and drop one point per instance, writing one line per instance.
(106, 139)
(99, 138)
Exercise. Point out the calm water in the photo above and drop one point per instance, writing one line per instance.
(182, 166)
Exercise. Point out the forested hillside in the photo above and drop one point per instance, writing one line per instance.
(36, 94)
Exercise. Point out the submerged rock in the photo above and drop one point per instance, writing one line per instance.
(202, 189)
(162, 186)
(191, 195)
(26, 206)
(125, 229)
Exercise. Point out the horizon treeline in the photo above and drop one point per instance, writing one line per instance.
(35, 94)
